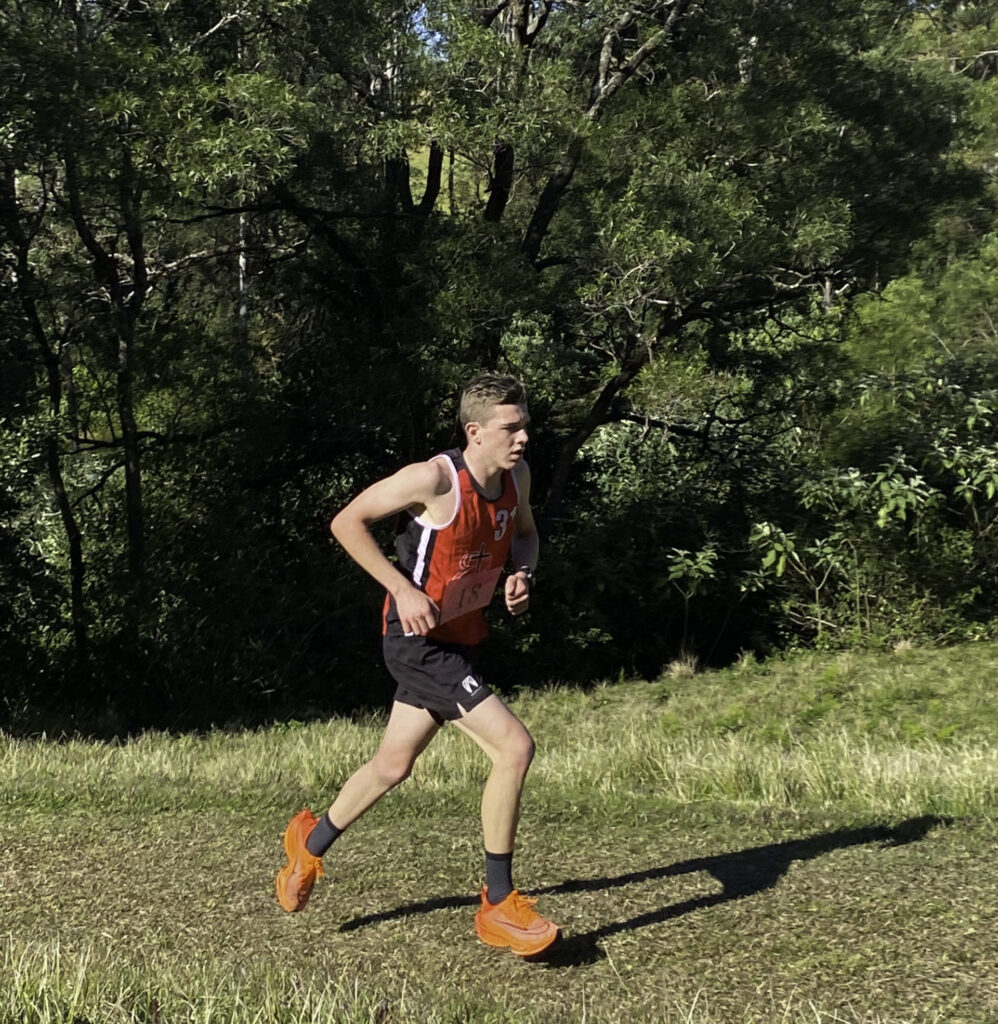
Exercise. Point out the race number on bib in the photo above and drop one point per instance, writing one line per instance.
(466, 593)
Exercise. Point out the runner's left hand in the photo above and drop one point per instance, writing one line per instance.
(517, 593)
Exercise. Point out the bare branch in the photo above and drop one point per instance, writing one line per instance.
(562, 176)
(101, 481)
(610, 42)
(678, 10)
(681, 429)
(107, 271)
(487, 15)
(159, 437)
(539, 22)
(217, 27)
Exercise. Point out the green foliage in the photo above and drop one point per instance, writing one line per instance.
(902, 547)
(250, 254)
(952, 314)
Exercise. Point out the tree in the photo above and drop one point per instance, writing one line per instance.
(114, 116)
(253, 249)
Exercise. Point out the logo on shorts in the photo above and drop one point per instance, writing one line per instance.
(470, 683)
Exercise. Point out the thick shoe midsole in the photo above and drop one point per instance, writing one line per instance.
(501, 941)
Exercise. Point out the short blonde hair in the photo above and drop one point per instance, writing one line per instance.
(487, 391)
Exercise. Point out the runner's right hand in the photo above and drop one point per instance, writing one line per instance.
(417, 613)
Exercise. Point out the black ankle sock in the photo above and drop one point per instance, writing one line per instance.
(322, 836)
(498, 876)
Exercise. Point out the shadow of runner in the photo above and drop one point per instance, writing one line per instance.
(742, 873)
(423, 907)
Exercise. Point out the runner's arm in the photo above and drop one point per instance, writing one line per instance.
(412, 487)
(525, 545)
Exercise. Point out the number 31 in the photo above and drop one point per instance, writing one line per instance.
(503, 519)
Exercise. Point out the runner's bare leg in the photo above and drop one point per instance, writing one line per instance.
(505, 740)
(407, 734)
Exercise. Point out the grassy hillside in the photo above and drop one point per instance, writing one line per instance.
(809, 840)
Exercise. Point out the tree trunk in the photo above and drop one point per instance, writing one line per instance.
(77, 571)
(134, 517)
(434, 169)
(128, 318)
(126, 305)
(27, 289)
(242, 315)
(397, 182)
(502, 182)
(549, 199)
(554, 506)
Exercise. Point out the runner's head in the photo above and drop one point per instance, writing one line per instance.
(487, 391)
(495, 418)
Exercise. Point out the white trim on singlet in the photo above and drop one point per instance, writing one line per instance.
(428, 529)
(424, 542)
(457, 497)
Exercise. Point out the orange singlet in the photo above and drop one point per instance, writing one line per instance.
(458, 564)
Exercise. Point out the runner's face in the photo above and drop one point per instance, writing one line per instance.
(504, 434)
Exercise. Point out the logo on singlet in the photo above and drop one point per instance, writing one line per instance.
(475, 561)
(470, 683)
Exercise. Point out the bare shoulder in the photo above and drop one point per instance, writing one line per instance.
(440, 478)
(414, 487)
(425, 480)
(436, 486)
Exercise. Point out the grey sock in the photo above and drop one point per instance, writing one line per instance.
(322, 836)
(498, 876)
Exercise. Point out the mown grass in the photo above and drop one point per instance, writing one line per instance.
(809, 840)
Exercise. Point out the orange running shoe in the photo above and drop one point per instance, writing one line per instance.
(514, 923)
(296, 878)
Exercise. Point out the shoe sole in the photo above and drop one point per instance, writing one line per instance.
(280, 883)
(501, 941)
(280, 886)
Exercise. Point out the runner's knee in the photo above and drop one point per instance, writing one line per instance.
(391, 770)
(518, 751)
(528, 751)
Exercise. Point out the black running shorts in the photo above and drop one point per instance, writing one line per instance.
(437, 677)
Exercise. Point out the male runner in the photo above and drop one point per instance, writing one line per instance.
(466, 513)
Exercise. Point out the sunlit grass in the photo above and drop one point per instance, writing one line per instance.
(43, 984)
(721, 844)
(903, 734)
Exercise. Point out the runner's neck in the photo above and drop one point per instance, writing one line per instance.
(487, 482)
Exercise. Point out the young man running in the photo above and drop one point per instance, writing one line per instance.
(468, 514)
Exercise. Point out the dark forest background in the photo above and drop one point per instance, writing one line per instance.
(743, 253)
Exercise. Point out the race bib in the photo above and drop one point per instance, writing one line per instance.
(466, 593)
